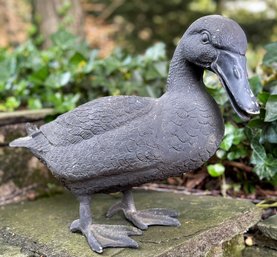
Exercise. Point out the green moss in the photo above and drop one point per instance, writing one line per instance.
(258, 252)
(231, 248)
(10, 251)
(234, 247)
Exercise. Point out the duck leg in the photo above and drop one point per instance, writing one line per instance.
(143, 219)
(100, 236)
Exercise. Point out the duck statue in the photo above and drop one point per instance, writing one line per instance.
(114, 143)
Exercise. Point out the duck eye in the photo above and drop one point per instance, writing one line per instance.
(205, 38)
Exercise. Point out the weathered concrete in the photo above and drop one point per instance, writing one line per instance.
(269, 227)
(207, 222)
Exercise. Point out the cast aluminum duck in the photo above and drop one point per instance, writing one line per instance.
(115, 143)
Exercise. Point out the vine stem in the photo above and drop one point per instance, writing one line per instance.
(239, 165)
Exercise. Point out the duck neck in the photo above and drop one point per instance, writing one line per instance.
(184, 76)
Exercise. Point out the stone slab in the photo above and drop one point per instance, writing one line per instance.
(269, 227)
(41, 227)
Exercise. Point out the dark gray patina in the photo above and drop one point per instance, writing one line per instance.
(114, 143)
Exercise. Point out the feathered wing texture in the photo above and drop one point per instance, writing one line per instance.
(95, 118)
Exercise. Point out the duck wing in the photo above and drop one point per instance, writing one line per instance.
(95, 117)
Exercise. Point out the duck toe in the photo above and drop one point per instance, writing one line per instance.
(143, 219)
(100, 236)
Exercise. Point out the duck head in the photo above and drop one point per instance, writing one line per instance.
(219, 44)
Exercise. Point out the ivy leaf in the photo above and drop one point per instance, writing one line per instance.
(64, 78)
(12, 103)
(39, 76)
(58, 80)
(155, 52)
(218, 94)
(110, 65)
(34, 103)
(267, 170)
(263, 97)
(256, 123)
(161, 68)
(91, 61)
(63, 39)
(239, 136)
(151, 92)
(231, 134)
(271, 108)
(258, 154)
(216, 170)
(256, 84)
(265, 165)
(220, 153)
(269, 133)
(5, 70)
(239, 153)
(151, 73)
(78, 59)
(69, 102)
(227, 142)
(270, 57)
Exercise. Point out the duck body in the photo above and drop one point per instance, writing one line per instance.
(137, 140)
(115, 143)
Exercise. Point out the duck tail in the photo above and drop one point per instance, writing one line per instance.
(21, 142)
(35, 140)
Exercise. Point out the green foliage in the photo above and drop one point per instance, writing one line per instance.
(263, 129)
(69, 73)
(265, 163)
(270, 58)
(232, 147)
(216, 170)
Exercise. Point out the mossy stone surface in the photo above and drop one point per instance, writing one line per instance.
(7, 250)
(269, 227)
(41, 227)
(259, 252)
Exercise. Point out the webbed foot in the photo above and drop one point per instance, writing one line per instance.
(100, 236)
(143, 219)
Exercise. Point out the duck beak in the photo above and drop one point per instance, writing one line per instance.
(231, 69)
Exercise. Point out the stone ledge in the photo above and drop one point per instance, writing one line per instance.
(41, 227)
(7, 118)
